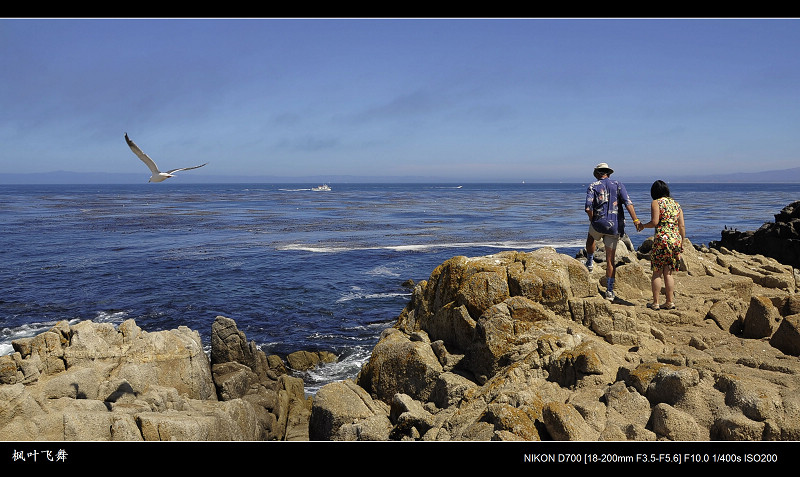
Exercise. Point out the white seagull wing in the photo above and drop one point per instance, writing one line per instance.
(144, 157)
(185, 168)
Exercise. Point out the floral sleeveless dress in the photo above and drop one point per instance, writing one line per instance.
(667, 245)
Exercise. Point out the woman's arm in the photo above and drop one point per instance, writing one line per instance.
(681, 226)
(654, 215)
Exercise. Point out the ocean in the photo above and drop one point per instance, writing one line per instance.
(297, 269)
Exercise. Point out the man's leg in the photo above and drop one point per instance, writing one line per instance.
(611, 271)
(590, 248)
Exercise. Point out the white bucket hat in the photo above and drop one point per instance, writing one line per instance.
(604, 167)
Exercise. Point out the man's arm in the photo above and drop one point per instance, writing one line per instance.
(632, 213)
(589, 204)
(623, 195)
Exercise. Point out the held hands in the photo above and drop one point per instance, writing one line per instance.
(639, 225)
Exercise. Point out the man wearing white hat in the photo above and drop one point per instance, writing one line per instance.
(605, 199)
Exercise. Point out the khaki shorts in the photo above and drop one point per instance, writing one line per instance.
(609, 241)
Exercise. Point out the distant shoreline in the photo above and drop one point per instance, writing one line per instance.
(786, 176)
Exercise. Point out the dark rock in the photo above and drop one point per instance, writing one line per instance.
(779, 240)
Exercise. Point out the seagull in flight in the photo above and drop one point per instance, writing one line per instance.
(157, 176)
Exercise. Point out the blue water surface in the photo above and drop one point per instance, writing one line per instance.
(296, 268)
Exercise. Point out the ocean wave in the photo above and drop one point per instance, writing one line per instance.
(112, 316)
(358, 294)
(340, 338)
(28, 330)
(383, 271)
(347, 367)
(505, 245)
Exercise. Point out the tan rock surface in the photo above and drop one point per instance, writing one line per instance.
(542, 355)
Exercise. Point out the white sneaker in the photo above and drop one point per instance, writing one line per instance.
(610, 295)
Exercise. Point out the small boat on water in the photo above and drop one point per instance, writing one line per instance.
(322, 188)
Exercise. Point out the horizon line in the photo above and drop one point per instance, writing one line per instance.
(783, 176)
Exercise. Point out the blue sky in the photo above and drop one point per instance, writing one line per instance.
(463, 99)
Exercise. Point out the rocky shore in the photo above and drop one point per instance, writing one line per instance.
(779, 239)
(516, 346)
(92, 382)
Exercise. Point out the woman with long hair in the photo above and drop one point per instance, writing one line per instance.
(665, 257)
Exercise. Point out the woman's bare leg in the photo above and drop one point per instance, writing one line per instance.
(669, 285)
(656, 285)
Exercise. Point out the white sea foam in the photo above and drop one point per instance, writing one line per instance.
(29, 330)
(357, 293)
(110, 316)
(383, 271)
(345, 368)
(504, 245)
